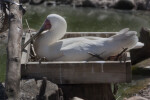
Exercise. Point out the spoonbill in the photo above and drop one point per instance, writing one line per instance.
(48, 42)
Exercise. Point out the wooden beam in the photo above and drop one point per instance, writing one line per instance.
(14, 51)
(78, 72)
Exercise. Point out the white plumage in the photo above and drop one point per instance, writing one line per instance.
(49, 45)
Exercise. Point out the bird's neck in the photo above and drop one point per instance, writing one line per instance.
(47, 38)
(50, 37)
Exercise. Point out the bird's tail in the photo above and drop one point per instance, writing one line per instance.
(125, 39)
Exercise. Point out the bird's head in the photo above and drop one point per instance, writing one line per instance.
(54, 22)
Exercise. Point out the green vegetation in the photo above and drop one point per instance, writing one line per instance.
(2, 62)
(130, 89)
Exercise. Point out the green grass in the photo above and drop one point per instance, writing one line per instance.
(129, 89)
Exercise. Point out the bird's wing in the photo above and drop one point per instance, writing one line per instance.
(70, 46)
(93, 38)
(75, 51)
(70, 41)
(123, 31)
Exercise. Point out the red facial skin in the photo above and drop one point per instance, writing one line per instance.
(47, 24)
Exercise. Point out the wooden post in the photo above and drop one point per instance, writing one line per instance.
(14, 51)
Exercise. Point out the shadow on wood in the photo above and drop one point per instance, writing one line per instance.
(88, 91)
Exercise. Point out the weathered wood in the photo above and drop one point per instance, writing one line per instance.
(14, 51)
(26, 51)
(78, 72)
(143, 53)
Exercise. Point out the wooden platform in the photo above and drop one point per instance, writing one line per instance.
(77, 72)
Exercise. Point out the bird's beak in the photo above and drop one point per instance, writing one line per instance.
(46, 26)
(41, 29)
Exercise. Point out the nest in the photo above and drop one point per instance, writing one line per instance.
(3, 17)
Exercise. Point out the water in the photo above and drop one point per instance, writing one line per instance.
(87, 20)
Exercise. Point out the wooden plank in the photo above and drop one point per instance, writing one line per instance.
(77, 73)
(26, 51)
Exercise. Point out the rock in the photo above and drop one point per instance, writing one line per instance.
(36, 2)
(136, 98)
(76, 98)
(144, 64)
(117, 4)
(24, 1)
(148, 85)
(2, 92)
(34, 90)
(125, 4)
(141, 68)
(145, 93)
(141, 5)
(88, 3)
(94, 3)
(29, 89)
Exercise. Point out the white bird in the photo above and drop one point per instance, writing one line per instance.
(49, 45)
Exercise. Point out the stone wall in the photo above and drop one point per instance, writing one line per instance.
(117, 4)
